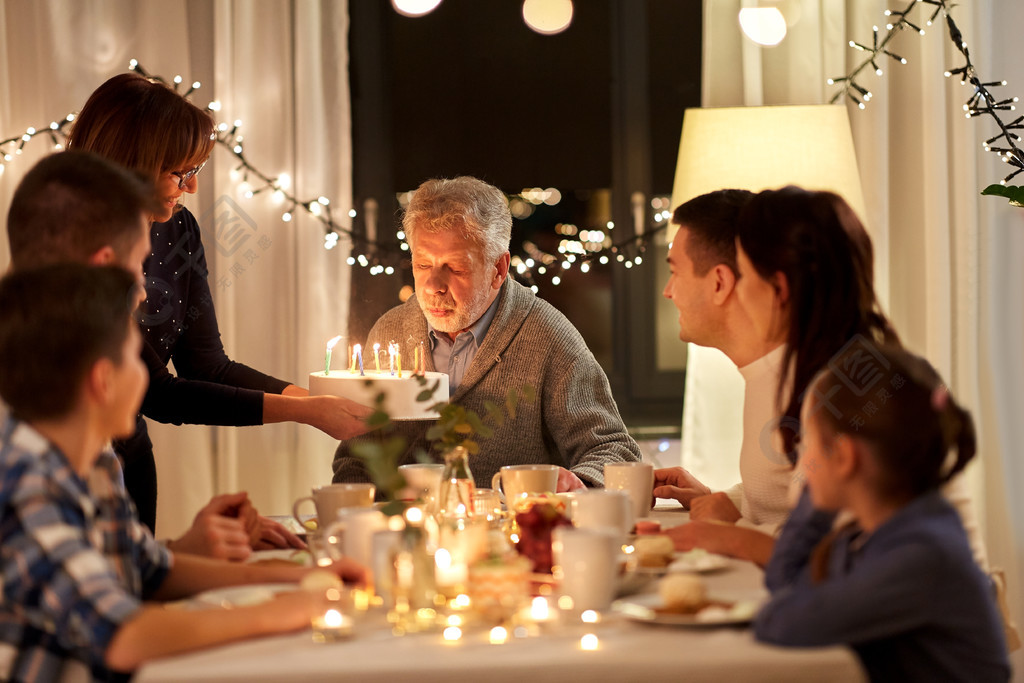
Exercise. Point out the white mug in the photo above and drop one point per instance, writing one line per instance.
(586, 565)
(330, 498)
(517, 481)
(353, 531)
(422, 480)
(603, 509)
(636, 479)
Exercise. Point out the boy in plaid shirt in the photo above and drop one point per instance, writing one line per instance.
(75, 563)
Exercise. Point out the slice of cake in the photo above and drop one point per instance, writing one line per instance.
(653, 551)
(682, 594)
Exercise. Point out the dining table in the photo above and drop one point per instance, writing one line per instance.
(618, 647)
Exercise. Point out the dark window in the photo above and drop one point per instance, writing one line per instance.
(594, 112)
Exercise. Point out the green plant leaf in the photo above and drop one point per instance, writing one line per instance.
(474, 421)
(394, 507)
(378, 419)
(463, 428)
(1014, 193)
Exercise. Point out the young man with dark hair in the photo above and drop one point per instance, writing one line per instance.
(78, 207)
(76, 563)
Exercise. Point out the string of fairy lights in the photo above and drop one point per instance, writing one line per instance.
(981, 102)
(582, 249)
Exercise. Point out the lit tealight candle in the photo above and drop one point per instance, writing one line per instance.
(589, 642)
(539, 609)
(499, 635)
(330, 347)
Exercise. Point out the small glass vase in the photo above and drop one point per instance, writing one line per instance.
(457, 486)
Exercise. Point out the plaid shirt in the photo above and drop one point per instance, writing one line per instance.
(74, 560)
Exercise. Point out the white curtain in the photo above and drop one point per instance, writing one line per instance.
(281, 68)
(947, 260)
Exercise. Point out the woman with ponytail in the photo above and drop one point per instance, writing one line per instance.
(880, 434)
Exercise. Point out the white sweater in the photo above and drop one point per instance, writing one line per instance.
(763, 494)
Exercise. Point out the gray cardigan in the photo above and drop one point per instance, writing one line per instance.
(573, 422)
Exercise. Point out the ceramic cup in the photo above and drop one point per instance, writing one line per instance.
(585, 564)
(603, 509)
(353, 531)
(521, 480)
(330, 498)
(636, 479)
(423, 481)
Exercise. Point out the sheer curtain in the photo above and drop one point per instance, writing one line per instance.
(281, 68)
(947, 260)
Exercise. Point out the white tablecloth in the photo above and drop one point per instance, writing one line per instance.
(627, 651)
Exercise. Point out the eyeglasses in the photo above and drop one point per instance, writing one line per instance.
(185, 176)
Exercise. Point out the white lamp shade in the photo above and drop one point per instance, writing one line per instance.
(759, 148)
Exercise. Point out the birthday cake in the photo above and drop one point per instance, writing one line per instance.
(400, 393)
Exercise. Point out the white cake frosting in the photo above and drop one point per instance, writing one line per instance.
(399, 393)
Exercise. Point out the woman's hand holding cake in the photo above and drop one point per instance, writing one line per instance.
(335, 416)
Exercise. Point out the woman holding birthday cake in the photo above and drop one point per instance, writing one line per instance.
(151, 129)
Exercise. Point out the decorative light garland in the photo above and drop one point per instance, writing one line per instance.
(981, 102)
(378, 257)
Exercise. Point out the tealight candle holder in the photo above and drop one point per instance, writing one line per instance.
(332, 622)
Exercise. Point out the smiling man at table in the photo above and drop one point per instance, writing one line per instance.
(490, 333)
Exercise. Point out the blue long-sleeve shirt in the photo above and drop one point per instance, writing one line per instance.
(909, 598)
(179, 323)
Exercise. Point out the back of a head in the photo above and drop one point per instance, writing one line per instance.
(55, 322)
(817, 242)
(477, 210)
(143, 125)
(711, 223)
(896, 403)
(71, 204)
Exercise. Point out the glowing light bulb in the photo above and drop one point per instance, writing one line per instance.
(548, 17)
(763, 25)
(415, 8)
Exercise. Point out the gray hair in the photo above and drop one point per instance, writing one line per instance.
(477, 210)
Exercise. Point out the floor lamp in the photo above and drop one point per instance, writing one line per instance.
(752, 148)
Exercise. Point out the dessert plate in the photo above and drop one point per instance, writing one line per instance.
(698, 562)
(241, 596)
(649, 608)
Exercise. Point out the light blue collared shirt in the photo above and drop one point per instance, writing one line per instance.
(456, 357)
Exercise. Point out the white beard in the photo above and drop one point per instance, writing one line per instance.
(465, 313)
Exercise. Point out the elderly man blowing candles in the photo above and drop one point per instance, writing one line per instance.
(489, 333)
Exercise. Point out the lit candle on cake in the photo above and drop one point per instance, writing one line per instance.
(376, 357)
(416, 361)
(398, 361)
(423, 359)
(391, 357)
(352, 355)
(330, 347)
(359, 357)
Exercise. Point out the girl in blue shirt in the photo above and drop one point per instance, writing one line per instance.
(898, 583)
